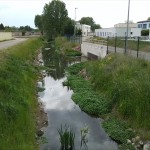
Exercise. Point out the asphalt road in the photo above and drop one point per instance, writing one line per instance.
(7, 44)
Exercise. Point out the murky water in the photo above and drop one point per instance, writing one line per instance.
(62, 110)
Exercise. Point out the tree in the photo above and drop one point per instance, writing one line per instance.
(55, 16)
(69, 28)
(2, 27)
(148, 18)
(96, 26)
(78, 32)
(145, 32)
(38, 22)
(89, 21)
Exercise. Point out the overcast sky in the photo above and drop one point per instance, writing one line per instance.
(104, 12)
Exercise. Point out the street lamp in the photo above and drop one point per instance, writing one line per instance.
(126, 36)
(75, 22)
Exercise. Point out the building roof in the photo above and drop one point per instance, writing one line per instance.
(143, 21)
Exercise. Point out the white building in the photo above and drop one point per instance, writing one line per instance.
(84, 28)
(124, 25)
(144, 24)
(119, 30)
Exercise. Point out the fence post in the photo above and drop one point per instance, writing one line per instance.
(107, 43)
(115, 43)
(125, 49)
(138, 46)
(81, 39)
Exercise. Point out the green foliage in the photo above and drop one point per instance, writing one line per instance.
(126, 82)
(25, 28)
(2, 27)
(126, 146)
(118, 130)
(69, 28)
(89, 100)
(65, 47)
(74, 69)
(66, 137)
(39, 22)
(78, 32)
(90, 21)
(148, 18)
(145, 32)
(72, 53)
(17, 98)
(55, 18)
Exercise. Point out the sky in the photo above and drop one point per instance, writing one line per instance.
(104, 12)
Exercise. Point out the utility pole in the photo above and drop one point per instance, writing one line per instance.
(126, 37)
(75, 22)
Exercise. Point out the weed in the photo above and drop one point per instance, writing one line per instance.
(118, 130)
(84, 131)
(66, 137)
(17, 99)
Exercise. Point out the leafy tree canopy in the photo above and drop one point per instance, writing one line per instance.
(38, 22)
(145, 32)
(55, 16)
(89, 21)
(148, 18)
(26, 28)
(2, 27)
(69, 28)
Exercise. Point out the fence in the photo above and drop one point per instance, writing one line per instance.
(75, 39)
(134, 46)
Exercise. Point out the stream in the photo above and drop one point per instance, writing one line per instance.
(61, 109)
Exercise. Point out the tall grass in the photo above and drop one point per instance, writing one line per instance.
(65, 47)
(84, 94)
(66, 137)
(18, 97)
(126, 81)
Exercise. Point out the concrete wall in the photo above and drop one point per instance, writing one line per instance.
(5, 36)
(95, 49)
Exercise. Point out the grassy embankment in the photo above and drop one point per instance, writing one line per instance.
(116, 87)
(67, 48)
(143, 46)
(18, 96)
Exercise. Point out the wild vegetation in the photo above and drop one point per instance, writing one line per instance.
(66, 48)
(66, 137)
(118, 87)
(125, 81)
(18, 96)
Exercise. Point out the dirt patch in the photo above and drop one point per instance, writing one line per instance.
(41, 115)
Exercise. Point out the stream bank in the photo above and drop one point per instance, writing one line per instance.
(61, 110)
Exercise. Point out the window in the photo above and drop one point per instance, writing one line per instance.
(139, 25)
(144, 26)
(149, 25)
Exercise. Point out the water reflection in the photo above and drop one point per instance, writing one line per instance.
(62, 110)
(56, 63)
